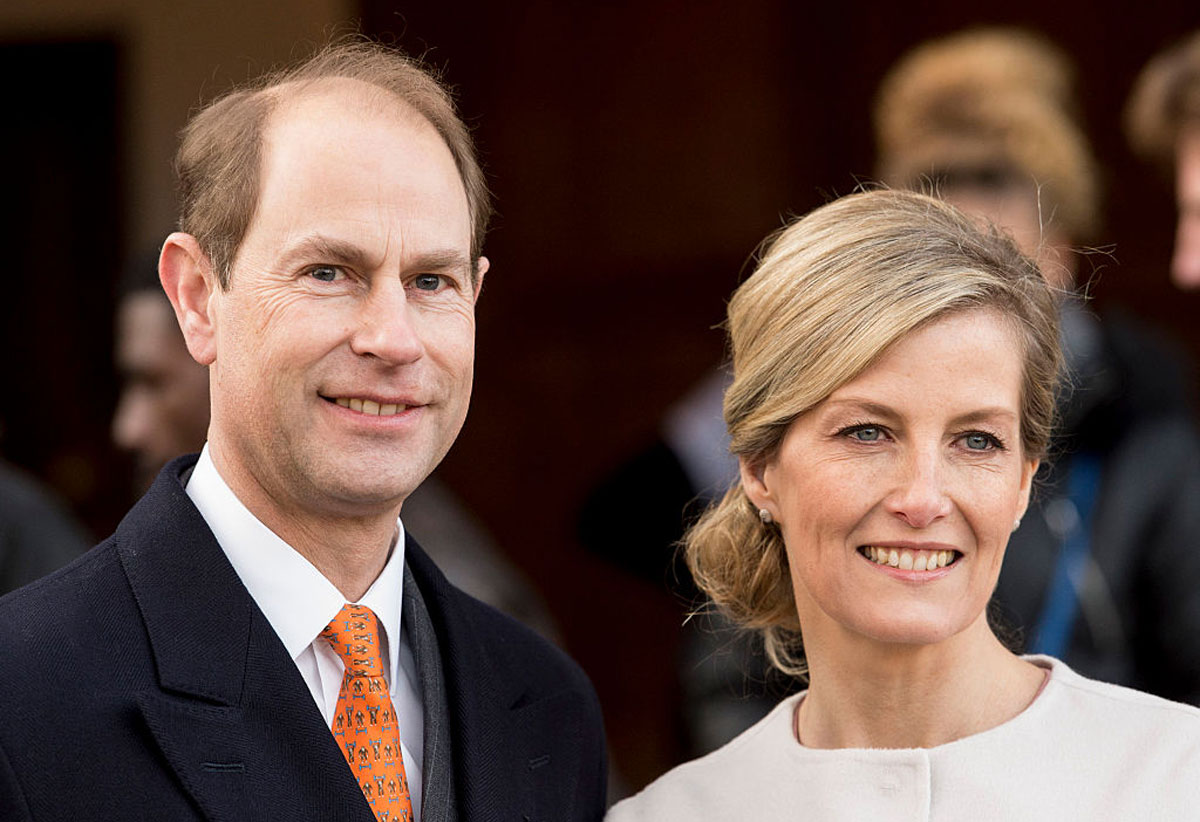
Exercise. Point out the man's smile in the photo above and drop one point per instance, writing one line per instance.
(371, 407)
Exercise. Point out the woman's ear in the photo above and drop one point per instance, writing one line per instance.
(755, 484)
(187, 277)
(1029, 470)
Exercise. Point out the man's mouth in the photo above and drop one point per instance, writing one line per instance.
(368, 406)
(909, 559)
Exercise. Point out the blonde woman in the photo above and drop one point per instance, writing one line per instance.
(894, 378)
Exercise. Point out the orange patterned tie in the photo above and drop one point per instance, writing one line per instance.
(365, 724)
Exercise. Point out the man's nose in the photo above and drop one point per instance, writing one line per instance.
(919, 497)
(386, 325)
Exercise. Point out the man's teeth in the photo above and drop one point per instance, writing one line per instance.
(369, 406)
(907, 560)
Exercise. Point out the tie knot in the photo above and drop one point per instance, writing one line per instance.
(354, 635)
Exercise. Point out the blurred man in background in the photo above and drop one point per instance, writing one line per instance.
(1102, 571)
(1163, 123)
(163, 407)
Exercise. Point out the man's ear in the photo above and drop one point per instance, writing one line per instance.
(481, 268)
(755, 484)
(187, 277)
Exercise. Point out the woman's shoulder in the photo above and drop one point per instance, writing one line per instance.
(1055, 759)
(722, 784)
(1126, 709)
(1109, 731)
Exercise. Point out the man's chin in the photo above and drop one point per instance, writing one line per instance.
(361, 492)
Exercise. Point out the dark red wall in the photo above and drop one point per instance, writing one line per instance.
(638, 152)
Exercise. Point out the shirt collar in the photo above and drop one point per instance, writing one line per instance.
(294, 596)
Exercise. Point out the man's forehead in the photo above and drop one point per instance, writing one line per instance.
(339, 154)
(303, 99)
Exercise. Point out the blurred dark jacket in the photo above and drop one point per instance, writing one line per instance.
(37, 535)
(1136, 594)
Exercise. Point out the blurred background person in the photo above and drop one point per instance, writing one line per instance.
(163, 412)
(726, 683)
(1162, 119)
(37, 532)
(1103, 572)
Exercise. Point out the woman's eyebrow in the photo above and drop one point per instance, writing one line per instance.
(868, 407)
(996, 414)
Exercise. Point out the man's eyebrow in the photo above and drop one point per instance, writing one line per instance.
(319, 248)
(448, 260)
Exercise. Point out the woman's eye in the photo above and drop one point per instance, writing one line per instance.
(427, 282)
(978, 442)
(866, 434)
(324, 273)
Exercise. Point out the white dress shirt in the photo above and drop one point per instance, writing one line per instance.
(299, 602)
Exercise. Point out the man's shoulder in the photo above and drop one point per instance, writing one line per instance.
(87, 614)
(63, 597)
(71, 627)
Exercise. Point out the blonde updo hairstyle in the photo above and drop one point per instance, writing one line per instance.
(831, 293)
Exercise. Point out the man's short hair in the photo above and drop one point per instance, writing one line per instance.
(219, 162)
(1165, 100)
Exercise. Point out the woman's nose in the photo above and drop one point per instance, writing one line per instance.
(919, 497)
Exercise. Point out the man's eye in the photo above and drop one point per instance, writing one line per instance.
(324, 273)
(427, 282)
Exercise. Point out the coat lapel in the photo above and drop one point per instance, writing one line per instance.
(509, 762)
(232, 715)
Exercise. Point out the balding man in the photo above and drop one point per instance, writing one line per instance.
(260, 639)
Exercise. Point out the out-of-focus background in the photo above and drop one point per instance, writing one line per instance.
(638, 153)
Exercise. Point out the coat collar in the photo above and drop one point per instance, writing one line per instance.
(187, 592)
(516, 751)
(231, 715)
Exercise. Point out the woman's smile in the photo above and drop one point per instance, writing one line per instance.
(895, 496)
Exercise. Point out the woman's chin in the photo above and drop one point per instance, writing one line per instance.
(915, 626)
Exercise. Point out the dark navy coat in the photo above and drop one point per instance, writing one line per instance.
(143, 682)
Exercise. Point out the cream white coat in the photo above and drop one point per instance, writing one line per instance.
(1083, 750)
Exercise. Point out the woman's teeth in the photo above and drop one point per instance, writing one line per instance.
(906, 559)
